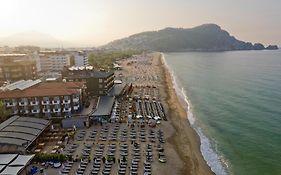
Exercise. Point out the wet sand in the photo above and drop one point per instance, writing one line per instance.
(185, 140)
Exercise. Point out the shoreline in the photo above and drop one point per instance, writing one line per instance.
(185, 140)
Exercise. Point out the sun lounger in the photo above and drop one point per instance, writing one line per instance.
(135, 163)
(107, 169)
(94, 172)
(79, 172)
(97, 165)
(121, 172)
(135, 160)
(68, 165)
(104, 172)
(65, 171)
(82, 167)
(147, 170)
(96, 169)
(67, 168)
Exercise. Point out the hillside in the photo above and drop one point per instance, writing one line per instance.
(207, 37)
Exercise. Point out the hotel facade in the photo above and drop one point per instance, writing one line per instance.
(47, 100)
(98, 83)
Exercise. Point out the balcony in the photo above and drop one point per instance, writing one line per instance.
(23, 103)
(75, 99)
(24, 111)
(76, 107)
(56, 102)
(45, 102)
(35, 111)
(56, 110)
(11, 104)
(45, 110)
(66, 102)
(34, 103)
(14, 112)
(66, 109)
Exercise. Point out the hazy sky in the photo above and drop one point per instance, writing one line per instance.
(96, 22)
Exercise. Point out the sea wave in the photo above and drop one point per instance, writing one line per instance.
(216, 162)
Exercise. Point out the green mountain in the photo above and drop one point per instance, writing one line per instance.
(207, 37)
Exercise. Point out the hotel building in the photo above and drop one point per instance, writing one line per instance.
(52, 99)
(98, 83)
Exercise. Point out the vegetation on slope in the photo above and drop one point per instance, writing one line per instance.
(3, 112)
(207, 37)
(105, 59)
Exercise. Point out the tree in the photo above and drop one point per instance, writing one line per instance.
(72, 60)
(4, 113)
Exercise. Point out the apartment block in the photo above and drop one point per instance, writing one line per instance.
(80, 59)
(53, 61)
(14, 67)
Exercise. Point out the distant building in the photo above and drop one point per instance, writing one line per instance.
(52, 99)
(80, 59)
(53, 61)
(14, 67)
(27, 49)
(98, 83)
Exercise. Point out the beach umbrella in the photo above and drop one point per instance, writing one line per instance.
(152, 122)
(139, 116)
(157, 118)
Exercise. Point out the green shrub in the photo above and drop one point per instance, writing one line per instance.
(42, 157)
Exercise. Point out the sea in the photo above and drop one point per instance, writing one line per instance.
(233, 101)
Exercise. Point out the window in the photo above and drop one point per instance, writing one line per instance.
(100, 80)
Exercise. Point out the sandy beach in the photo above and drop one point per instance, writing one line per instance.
(183, 144)
(185, 140)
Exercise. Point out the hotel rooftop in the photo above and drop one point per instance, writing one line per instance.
(21, 131)
(31, 88)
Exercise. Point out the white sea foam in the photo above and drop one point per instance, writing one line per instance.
(216, 163)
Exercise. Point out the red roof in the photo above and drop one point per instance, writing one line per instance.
(45, 89)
